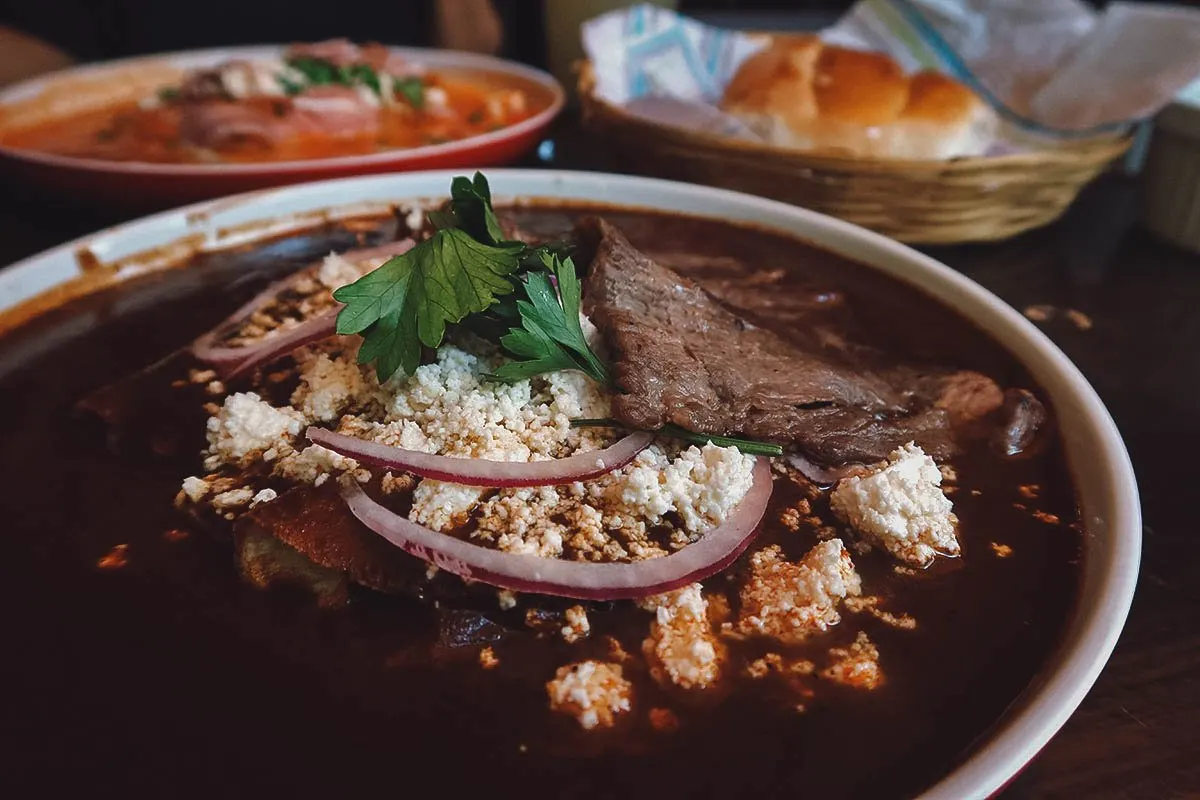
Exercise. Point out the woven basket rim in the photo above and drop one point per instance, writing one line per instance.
(1096, 149)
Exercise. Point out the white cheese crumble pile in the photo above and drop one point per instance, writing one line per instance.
(594, 692)
(681, 648)
(856, 665)
(247, 428)
(901, 507)
(788, 602)
(621, 516)
(578, 626)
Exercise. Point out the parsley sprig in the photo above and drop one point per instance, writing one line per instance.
(526, 299)
(550, 337)
(468, 273)
(319, 72)
(410, 299)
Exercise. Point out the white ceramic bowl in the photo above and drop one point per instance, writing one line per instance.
(1097, 456)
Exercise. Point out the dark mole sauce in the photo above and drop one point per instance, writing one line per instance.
(162, 675)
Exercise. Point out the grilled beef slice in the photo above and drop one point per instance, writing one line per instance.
(681, 356)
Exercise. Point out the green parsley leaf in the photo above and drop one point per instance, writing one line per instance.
(409, 300)
(317, 71)
(289, 86)
(471, 203)
(441, 218)
(360, 74)
(550, 337)
(412, 90)
(541, 353)
(748, 446)
(391, 342)
(168, 94)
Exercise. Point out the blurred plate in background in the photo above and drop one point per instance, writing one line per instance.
(134, 185)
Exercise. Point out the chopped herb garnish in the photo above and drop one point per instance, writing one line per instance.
(168, 94)
(411, 298)
(289, 86)
(360, 74)
(412, 90)
(475, 117)
(550, 337)
(748, 446)
(468, 273)
(471, 204)
(318, 72)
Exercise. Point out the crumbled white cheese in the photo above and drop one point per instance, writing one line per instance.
(443, 506)
(613, 518)
(701, 485)
(448, 407)
(247, 426)
(337, 271)
(856, 665)
(195, 488)
(593, 336)
(415, 218)
(328, 387)
(574, 394)
(232, 499)
(901, 506)
(787, 601)
(242, 79)
(507, 599)
(523, 522)
(314, 464)
(264, 496)
(594, 692)
(578, 626)
(681, 648)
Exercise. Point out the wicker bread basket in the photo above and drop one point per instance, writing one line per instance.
(920, 202)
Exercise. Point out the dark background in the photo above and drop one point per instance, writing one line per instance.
(102, 29)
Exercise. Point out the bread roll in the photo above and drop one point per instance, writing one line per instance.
(802, 93)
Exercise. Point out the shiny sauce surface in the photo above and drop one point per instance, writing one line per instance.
(152, 670)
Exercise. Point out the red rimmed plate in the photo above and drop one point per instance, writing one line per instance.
(137, 185)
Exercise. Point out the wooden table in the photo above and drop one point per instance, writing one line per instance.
(1132, 737)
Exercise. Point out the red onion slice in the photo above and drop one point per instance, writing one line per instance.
(583, 580)
(233, 361)
(481, 472)
(823, 476)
